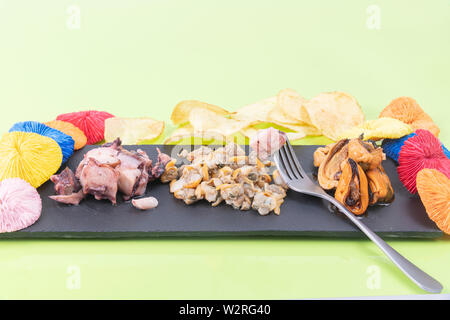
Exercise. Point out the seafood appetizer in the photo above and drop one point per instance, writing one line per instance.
(106, 170)
(353, 169)
(227, 175)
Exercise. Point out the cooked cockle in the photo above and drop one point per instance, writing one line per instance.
(187, 195)
(264, 203)
(177, 187)
(207, 190)
(204, 171)
(246, 203)
(237, 161)
(232, 193)
(246, 173)
(170, 172)
(278, 180)
(275, 191)
(263, 178)
(191, 177)
(250, 189)
(227, 174)
(216, 159)
(233, 149)
(216, 182)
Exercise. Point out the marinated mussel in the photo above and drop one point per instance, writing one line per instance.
(331, 159)
(366, 154)
(352, 190)
(330, 166)
(380, 188)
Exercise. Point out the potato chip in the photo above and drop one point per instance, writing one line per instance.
(307, 129)
(334, 113)
(204, 120)
(277, 116)
(298, 131)
(291, 103)
(289, 109)
(382, 128)
(132, 130)
(182, 110)
(256, 112)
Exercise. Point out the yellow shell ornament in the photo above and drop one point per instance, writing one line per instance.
(29, 156)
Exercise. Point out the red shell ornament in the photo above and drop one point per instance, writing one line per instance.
(92, 123)
(422, 151)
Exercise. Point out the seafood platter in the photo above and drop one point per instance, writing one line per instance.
(90, 174)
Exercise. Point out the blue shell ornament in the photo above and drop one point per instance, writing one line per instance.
(65, 142)
(392, 147)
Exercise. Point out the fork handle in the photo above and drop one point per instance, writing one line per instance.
(422, 279)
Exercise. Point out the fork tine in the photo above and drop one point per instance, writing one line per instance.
(282, 167)
(295, 159)
(285, 162)
(293, 162)
(289, 164)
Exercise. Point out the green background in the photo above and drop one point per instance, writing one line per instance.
(139, 58)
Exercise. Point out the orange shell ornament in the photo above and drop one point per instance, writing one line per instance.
(407, 109)
(66, 127)
(434, 191)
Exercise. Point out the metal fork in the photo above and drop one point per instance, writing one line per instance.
(296, 178)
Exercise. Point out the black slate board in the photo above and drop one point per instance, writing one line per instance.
(301, 215)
